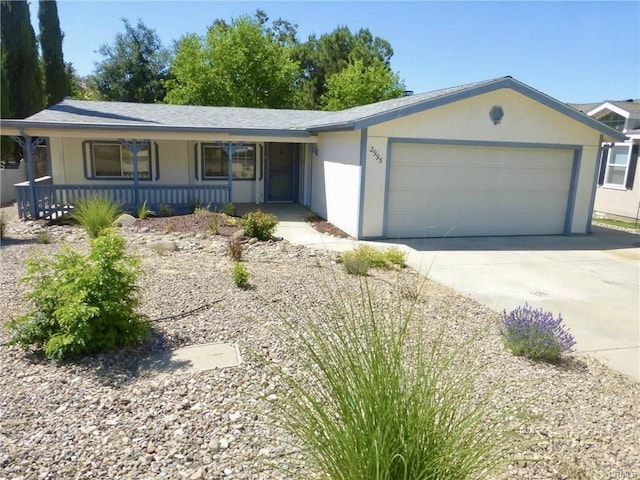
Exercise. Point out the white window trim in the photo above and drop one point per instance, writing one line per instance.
(615, 186)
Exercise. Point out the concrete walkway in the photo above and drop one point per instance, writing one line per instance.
(593, 281)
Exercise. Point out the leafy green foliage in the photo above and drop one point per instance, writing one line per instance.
(83, 304)
(240, 275)
(144, 211)
(202, 211)
(259, 224)
(229, 209)
(379, 394)
(333, 52)
(358, 261)
(214, 226)
(95, 214)
(165, 210)
(133, 67)
(19, 52)
(56, 78)
(360, 84)
(3, 225)
(43, 237)
(241, 64)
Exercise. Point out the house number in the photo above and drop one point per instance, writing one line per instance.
(375, 154)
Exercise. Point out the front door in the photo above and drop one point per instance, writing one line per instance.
(280, 178)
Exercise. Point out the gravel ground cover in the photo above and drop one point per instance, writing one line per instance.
(103, 417)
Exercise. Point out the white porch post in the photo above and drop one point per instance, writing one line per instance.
(28, 145)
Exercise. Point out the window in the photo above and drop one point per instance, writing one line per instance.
(112, 160)
(617, 166)
(215, 161)
(613, 120)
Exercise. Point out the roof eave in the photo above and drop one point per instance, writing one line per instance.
(18, 124)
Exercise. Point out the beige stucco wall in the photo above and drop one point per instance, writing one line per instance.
(525, 121)
(336, 179)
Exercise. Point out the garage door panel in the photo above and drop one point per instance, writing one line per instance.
(435, 190)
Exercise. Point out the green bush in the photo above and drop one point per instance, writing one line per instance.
(240, 275)
(43, 237)
(229, 209)
(259, 224)
(3, 225)
(203, 211)
(214, 226)
(165, 210)
(144, 211)
(356, 262)
(374, 396)
(95, 214)
(83, 303)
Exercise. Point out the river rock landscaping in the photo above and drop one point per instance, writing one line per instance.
(104, 417)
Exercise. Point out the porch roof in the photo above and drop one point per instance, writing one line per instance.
(121, 116)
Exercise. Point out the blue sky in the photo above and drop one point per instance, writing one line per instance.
(573, 51)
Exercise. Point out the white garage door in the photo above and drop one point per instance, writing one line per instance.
(461, 191)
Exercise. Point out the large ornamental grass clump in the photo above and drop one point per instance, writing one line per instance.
(377, 397)
(535, 334)
(95, 214)
(82, 303)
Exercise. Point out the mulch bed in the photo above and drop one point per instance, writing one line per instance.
(190, 223)
(325, 227)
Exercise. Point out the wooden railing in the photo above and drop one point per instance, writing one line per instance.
(53, 200)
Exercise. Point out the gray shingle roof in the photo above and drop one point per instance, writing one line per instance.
(631, 106)
(233, 120)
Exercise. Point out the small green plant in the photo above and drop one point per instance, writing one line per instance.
(3, 225)
(356, 262)
(144, 211)
(165, 210)
(240, 275)
(234, 248)
(376, 395)
(311, 217)
(259, 224)
(231, 221)
(229, 209)
(203, 211)
(214, 226)
(43, 237)
(95, 214)
(193, 204)
(83, 303)
(535, 334)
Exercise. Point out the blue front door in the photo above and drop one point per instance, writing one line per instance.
(280, 178)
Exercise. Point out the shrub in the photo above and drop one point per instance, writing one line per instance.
(229, 209)
(214, 226)
(95, 214)
(259, 224)
(3, 225)
(144, 211)
(240, 275)
(234, 248)
(43, 237)
(356, 262)
(83, 304)
(203, 211)
(535, 334)
(374, 397)
(165, 210)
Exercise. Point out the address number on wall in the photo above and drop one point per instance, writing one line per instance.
(375, 154)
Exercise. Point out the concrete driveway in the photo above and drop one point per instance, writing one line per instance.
(593, 281)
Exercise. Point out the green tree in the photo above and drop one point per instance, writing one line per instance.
(358, 84)
(134, 66)
(244, 64)
(20, 54)
(56, 79)
(331, 53)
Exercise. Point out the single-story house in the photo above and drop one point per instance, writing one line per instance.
(618, 192)
(490, 158)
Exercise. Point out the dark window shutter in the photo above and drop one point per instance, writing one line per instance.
(633, 162)
(604, 155)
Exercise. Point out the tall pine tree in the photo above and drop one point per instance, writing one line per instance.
(20, 53)
(56, 79)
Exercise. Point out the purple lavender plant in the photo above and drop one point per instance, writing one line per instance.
(535, 334)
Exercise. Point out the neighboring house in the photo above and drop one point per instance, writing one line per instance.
(489, 158)
(618, 191)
